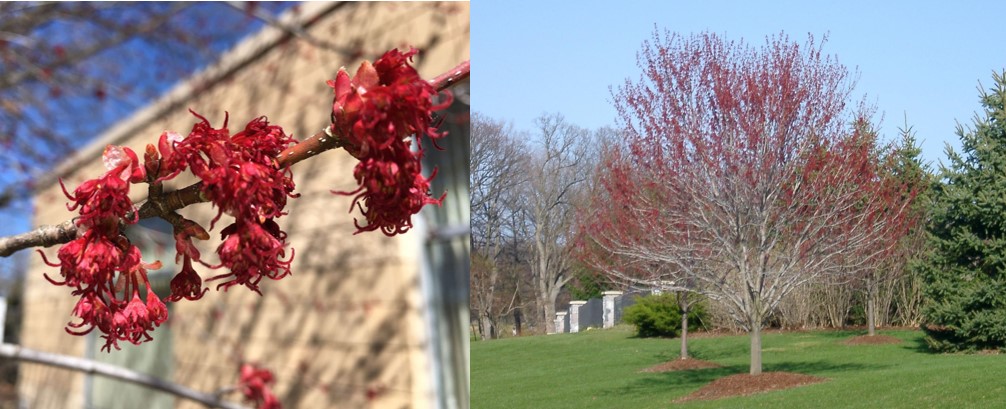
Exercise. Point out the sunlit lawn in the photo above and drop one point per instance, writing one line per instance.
(600, 369)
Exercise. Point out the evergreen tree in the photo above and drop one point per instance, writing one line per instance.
(965, 272)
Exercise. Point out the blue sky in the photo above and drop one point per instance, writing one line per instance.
(921, 59)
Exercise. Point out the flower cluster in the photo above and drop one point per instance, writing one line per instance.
(376, 113)
(254, 384)
(101, 265)
(242, 178)
(240, 175)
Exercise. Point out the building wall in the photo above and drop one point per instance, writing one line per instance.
(346, 329)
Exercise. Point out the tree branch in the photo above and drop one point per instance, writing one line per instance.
(48, 235)
(293, 29)
(15, 77)
(17, 352)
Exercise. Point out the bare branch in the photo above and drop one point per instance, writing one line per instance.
(43, 236)
(15, 77)
(19, 353)
(292, 29)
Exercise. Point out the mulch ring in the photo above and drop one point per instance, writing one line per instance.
(681, 365)
(745, 384)
(872, 340)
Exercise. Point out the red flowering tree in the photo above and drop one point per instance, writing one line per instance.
(378, 116)
(740, 175)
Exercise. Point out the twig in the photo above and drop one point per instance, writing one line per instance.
(292, 28)
(45, 236)
(20, 353)
(452, 76)
(48, 235)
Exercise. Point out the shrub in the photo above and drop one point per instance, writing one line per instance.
(659, 316)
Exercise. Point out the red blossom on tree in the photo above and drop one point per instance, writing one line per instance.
(88, 260)
(104, 200)
(376, 113)
(244, 176)
(384, 103)
(252, 250)
(392, 189)
(187, 284)
(161, 162)
(240, 173)
(740, 176)
(101, 264)
(255, 384)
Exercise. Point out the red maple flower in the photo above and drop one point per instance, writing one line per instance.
(255, 383)
(137, 320)
(392, 189)
(90, 309)
(240, 173)
(88, 261)
(384, 103)
(101, 264)
(252, 251)
(123, 162)
(157, 312)
(102, 202)
(118, 319)
(377, 113)
(242, 177)
(187, 284)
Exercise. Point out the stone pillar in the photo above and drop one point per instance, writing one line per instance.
(560, 322)
(608, 302)
(574, 315)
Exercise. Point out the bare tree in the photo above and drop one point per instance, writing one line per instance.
(743, 173)
(558, 168)
(498, 158)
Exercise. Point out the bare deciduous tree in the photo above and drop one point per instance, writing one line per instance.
(557, 169)
(498, 158)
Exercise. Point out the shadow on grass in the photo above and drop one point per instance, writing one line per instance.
(818, 368)
(919, 345)
(680, 383)
(822, 333)
(676, 382)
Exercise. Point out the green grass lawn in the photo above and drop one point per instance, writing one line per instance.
(600, 369)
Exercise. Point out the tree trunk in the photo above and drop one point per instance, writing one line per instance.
(683, 306)
(755, 348)
(871, 301)
(684, 333)
(548, 311)
(488, 332)
(517, 321)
